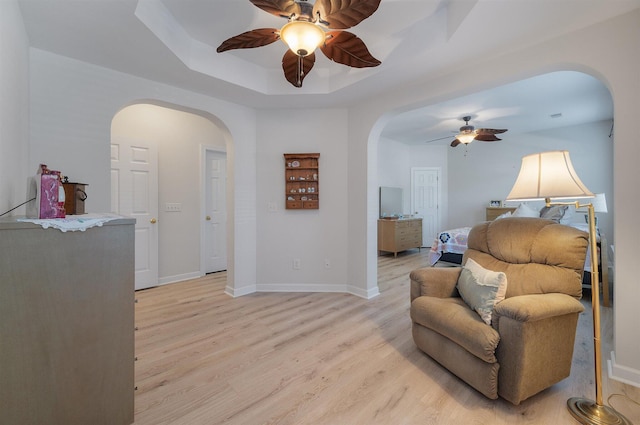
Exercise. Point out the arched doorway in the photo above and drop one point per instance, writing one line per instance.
(489, 170)
(179, 136)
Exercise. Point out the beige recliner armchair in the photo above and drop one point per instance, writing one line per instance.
(529, 344)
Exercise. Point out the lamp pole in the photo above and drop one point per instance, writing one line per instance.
(582, 409)
(549, 175)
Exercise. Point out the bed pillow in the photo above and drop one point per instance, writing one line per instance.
(525, 210)
(554, 212)
(504, 215)
(481, 289)
(567, 218)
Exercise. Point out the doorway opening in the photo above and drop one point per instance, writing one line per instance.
(169, 190)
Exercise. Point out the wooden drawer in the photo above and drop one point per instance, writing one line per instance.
(408, 223)
(310, 205)
(303, 205)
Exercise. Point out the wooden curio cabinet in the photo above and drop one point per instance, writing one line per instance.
(302, 181)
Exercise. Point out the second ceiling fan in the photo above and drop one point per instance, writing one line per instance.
(468, 134)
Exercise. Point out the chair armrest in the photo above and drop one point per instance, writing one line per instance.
(435, 282)
(530, 308)
(537, 336)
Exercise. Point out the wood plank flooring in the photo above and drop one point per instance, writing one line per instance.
(318, 358)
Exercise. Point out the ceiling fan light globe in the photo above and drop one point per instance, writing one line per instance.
(302, 37)
(466, 137)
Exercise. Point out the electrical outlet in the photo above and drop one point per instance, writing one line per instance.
(327, 263)
(172, 207)
(296, 264)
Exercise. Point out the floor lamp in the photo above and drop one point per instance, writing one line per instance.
(551, 176)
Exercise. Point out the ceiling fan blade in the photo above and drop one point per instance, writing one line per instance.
(455, 143)
(283, 8)
(250, 39)
(346, 48)
(490, 131)
(343, 14)
(439, 138)
(297, 67)
(486, 138)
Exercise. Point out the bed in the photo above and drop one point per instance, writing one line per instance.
(449, 246)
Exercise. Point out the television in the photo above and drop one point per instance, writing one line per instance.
(391, 201)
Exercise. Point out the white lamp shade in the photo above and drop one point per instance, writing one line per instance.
(599, 203)
(302, 37)
(548, 175)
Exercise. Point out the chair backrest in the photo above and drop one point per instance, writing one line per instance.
(538, 256)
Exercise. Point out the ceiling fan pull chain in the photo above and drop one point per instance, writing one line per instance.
(300, 70)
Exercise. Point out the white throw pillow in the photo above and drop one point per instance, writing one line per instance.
(525, 210)
(481, 289)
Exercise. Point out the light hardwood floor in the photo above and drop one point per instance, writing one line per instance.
(318, 358)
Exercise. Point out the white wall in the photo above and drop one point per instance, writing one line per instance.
(309, 235)
(72, 107)
(178, 136)
(14, 108)
(601, 50)
(395, 160)
(489, 170)
(394, 169)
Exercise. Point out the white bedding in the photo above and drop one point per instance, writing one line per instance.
(454, 241)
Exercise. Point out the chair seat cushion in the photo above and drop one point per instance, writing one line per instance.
(452, 318)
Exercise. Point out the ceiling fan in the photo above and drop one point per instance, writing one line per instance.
(468, 134)
(305, 31)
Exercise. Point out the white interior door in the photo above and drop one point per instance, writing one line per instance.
(134, 193)
(215, 219)
(425, 200)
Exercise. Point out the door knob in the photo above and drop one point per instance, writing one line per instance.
(208, 218)
(153, 221)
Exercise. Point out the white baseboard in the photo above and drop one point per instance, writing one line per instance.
(622, 373)
(279, 287)
(238, 292)
(178, 278)
(320, 287)
(300, 287)
(366, 294)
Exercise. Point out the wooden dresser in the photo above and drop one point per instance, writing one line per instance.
(67, 324)
(493, 212)
(399, 235)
